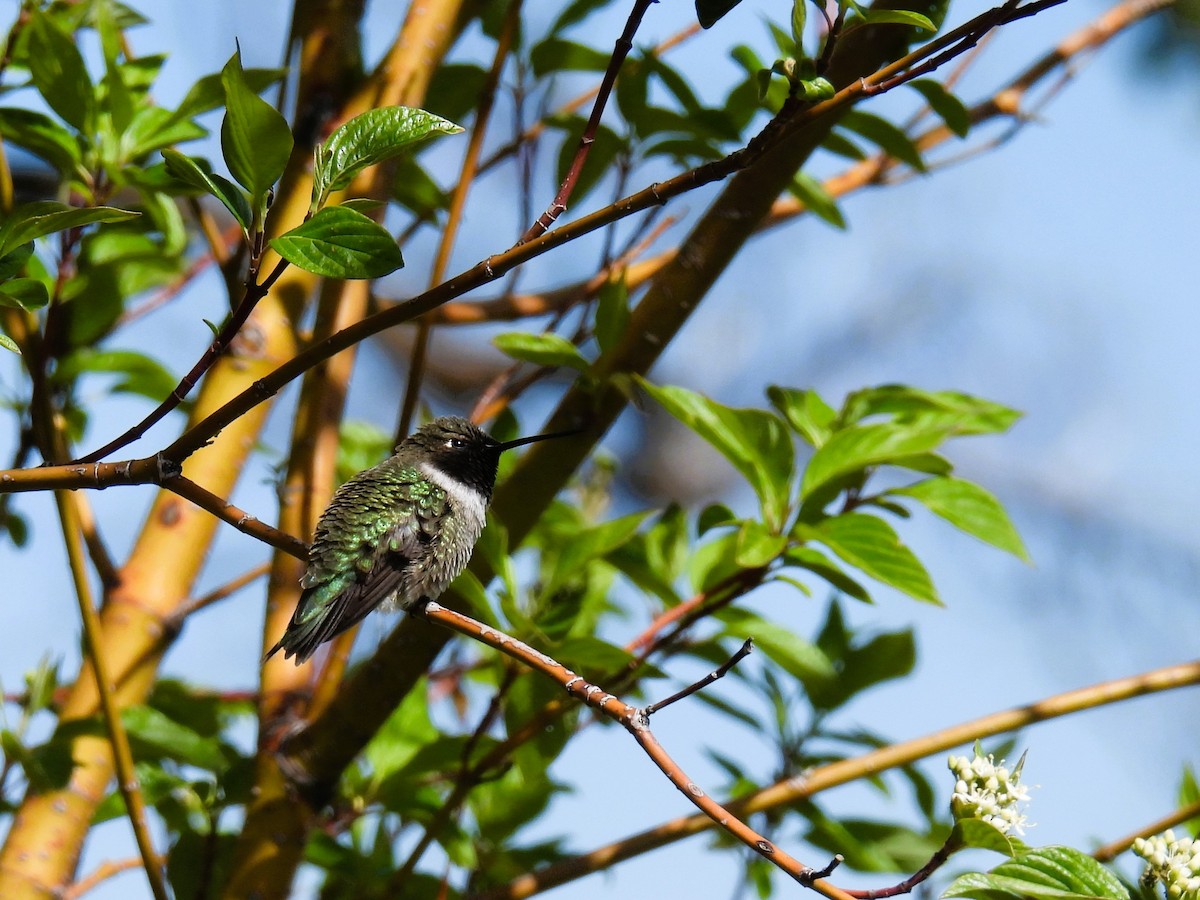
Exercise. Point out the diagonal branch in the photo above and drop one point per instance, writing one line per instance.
(588, 138)
(794, 790)
(637, 723)
(127, 782)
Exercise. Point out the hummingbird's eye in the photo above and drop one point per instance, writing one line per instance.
(456, 444)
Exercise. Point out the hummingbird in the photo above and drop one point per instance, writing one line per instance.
(397, 534)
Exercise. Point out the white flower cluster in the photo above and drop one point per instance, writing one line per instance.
(986, 790)
(1173, 861)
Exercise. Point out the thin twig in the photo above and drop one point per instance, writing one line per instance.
(254, 292)
(634, 721)
(237, 517)
(720, 672)
(906, 886)
(790, 791)
(458, 200)
(620, 50)
(100, 874)
(1112, 850)
(218, 594)
(127, 782)
(494, 267)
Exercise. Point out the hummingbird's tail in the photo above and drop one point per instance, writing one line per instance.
(325, 611)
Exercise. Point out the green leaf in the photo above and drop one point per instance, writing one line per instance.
(255, 139)
(819, 564)
(612, 313)
(952, 110)
(208, 93)
(799, 14)
(189, 170)
(153, 733)
(810, 416)
(35, 220)
(340, 243)
(980, 835)
(559, 55)
(891, 140)
(819, 202)
(956, 412)
(709, 11)
(872, 545)
(14, 262)
(141, 374)
(41, 136)
(541, 349)
(58, 72)
(757, 546)
(405, 732)
(860, 446)
(9, 344)
(969, 508)
(899, 17)
(884, 657)
(591, 543)
(799, 658)
(1046, 873)
(24, 293)
(368, 139)
(755, 441)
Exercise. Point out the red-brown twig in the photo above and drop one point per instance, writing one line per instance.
(458, 200)
(497, 266)
(238, 518)
(621, 49)
(636, 722)
(255, 291)
(704, 682)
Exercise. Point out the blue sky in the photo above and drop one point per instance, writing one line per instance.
(1057, 274)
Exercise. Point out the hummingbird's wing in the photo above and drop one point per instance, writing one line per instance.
(375, 530)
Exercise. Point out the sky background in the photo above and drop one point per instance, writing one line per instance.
(1056, 274)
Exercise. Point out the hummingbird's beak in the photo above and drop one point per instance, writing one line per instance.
(508, 445)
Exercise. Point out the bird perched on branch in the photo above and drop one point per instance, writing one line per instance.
(398, 533)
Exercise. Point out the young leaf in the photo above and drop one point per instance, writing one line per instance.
(945, 104)
(872, 545)
(541, 349)
(370, 138)
(189, 170)
(969, 508)
(612, 313)
(810, 416)
(255, 139)
(340, 243)
(9, 344)
(801, 659)
(799, 13)
(1045, 873)
(755, 441)
(955, 412)
(208, 93)
(899, 17)
(24, 293)
(819, 564)
(58, 72)
(35, 220)
(819, 201)
(860, 446)
(880, 131)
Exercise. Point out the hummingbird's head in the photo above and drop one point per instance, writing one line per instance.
(459, 449)
(463, 451)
